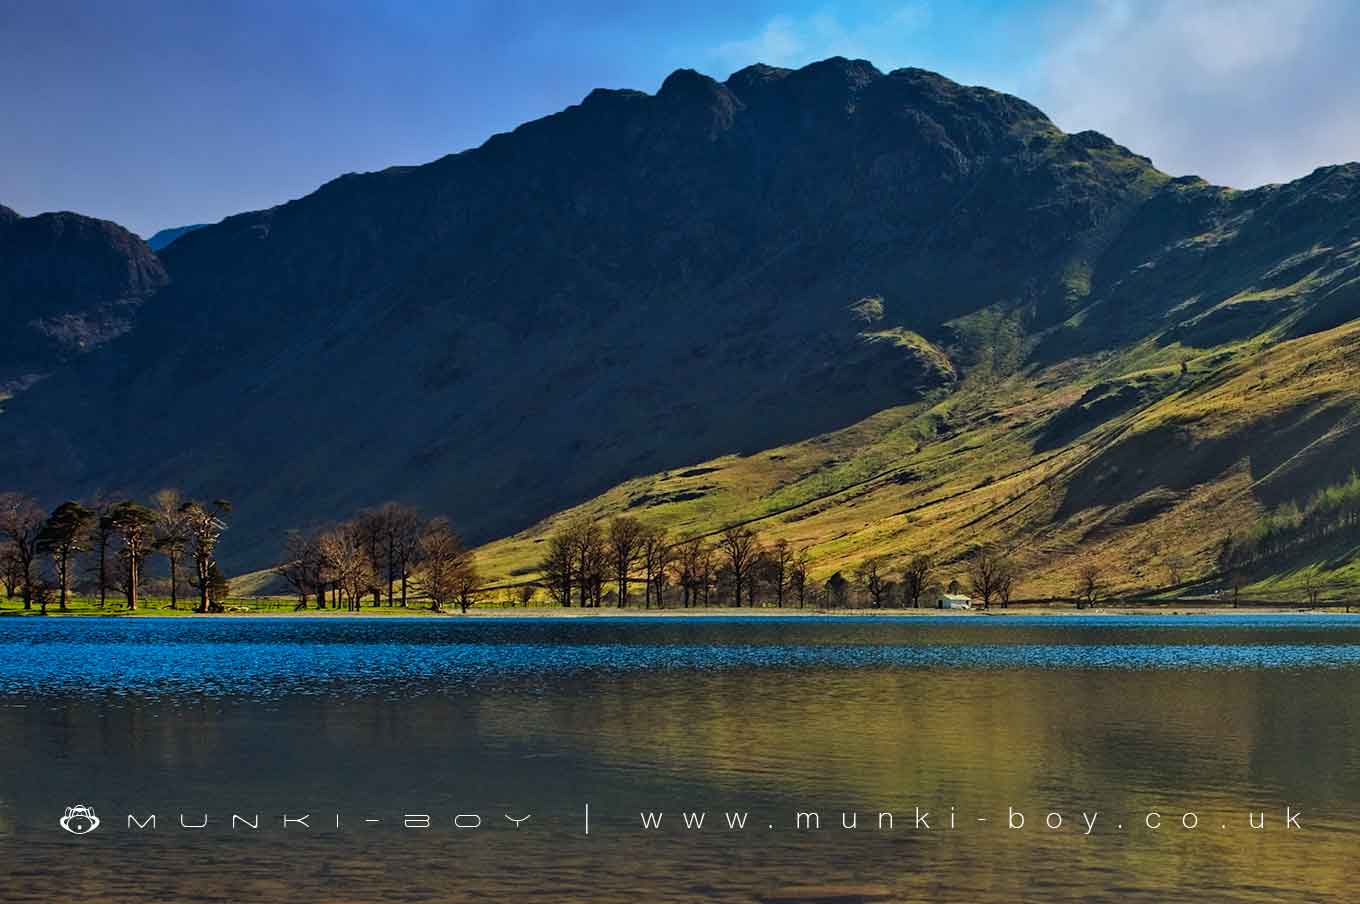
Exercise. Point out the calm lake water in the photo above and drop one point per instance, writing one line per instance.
(1103, 718)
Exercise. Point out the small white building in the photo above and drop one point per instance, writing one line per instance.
(954, 601)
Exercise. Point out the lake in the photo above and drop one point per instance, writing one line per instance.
(1157, 744)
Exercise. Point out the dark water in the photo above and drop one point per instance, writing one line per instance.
(1115, 718)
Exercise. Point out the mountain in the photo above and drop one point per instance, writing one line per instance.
(166, 236)
(820, 297)
(68, 284)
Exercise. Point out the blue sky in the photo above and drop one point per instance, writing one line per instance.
(156, 113)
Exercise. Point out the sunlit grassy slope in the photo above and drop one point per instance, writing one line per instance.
(1121, 459)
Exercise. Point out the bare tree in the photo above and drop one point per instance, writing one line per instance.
(291, 569)
(869, 579)
(391, 534)
(625, 540)
(778, 567)
(740, 549)
(589, 554)
(659, 581)
(205, 524)
(917, 578)
(525, 594)
(686, 568)
(558, 567)
(1010, 574)
(172, 535)
(371, 525)
(465, 583)
(1237, 582)
(694, 569)
(1090, 585)
(346, 550)
(443, 564)
(404, 528)
(986, 573)
(657, 554)
(63, 536)
(21, 524)
(303, 566)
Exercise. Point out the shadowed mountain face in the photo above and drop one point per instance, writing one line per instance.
(68, 284)
(645, 281)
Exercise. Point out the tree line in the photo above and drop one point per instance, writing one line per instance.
(624, 560)
(990, 575)
(589, 564)
(383, 553)
(1329, 512)
(106, 544)
(392, 554)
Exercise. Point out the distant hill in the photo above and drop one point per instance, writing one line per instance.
(878, 311)
(166, 236)
(68, 284)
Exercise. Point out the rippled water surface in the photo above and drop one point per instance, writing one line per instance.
(1115, 718)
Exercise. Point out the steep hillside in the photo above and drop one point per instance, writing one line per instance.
(872, 307)
(68, 284)
(1156, 467)
(1208, 374)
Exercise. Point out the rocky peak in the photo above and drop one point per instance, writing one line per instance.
(838, 72)
(67, 284)
(688, 85)
(754, 80)
(696, 103)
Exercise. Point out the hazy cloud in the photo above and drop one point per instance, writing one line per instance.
(796, 41)
(1242, 93)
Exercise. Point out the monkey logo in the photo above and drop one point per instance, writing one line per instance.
(79, 820)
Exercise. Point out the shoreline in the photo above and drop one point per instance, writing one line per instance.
(1207, 610)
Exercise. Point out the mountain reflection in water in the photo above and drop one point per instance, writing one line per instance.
(1115, 716)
